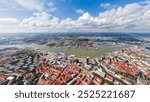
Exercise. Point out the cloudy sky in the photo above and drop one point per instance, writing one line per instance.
(74, 15)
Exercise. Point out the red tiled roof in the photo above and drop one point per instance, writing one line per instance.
(110, 78)
(86, 81)
(97, 81)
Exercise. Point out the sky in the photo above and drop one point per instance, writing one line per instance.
(74, 16)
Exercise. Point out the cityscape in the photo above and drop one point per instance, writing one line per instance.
(75, 42)
(46, 59)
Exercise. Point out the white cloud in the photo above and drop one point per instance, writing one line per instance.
(31, 4)
(40, 20)
(145, 2)
(8, 21)
(51, 7)
(86, 17)
(37, 20)
(131, 17)
(79, 11)
(37, 5)
(105, 5)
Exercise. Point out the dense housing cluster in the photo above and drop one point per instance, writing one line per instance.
(20, 66)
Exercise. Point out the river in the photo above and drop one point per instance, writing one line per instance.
(80, 52)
